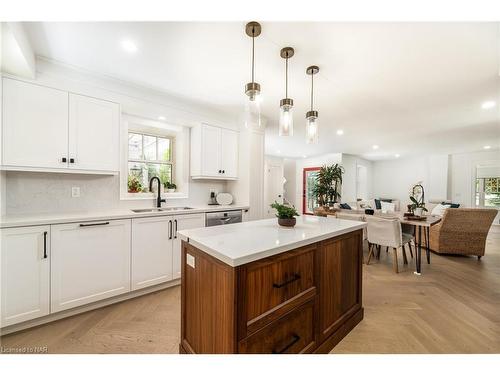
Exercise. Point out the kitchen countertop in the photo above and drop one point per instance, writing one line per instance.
(241, 243)
(10, 221)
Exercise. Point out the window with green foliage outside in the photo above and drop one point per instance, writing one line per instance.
(148, 156)
(488, 192)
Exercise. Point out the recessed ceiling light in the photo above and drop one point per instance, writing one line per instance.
(397, 155)
(486, 147)
(375, 147)
(304, 156)
(161, 118)
(279, 151)
(340, 132)
(488, 104)
(129, 46)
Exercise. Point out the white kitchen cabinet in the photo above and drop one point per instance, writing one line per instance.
(156, 248)
(90, 262)
(183, 222)
(46, 129)
(151, 251)
(25, 279)
(229, 159)
(35, 126)
(214, 153)
(94, 134)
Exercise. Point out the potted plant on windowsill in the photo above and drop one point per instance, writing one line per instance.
(170, 187)
(286, 214)
(134, 185)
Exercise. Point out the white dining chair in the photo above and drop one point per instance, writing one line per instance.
(386, 232)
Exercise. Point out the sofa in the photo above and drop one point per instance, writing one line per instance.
(462, 231)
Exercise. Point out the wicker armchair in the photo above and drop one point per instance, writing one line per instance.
(462, 231)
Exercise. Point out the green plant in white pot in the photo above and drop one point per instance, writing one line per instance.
(170, 187)
(417, 207)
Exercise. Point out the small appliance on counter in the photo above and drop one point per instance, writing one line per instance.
(213, 201)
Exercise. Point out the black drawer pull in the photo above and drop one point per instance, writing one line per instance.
(44, 245)
(288, 346)
(94, 224)
(294, 278)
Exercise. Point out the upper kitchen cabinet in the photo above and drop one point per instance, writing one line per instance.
(46, 129)
(94, 131)
(214, 153)
(35, 126)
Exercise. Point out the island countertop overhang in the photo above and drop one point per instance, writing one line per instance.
(242, 243)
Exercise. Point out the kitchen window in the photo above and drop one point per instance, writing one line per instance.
(149, 155)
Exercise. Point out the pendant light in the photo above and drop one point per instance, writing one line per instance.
(312, 115)
(286, 104)
(252, 89)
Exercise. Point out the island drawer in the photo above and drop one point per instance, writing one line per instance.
(292, 334)
(274, 286)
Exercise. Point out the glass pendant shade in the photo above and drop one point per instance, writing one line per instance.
(251, 116)
(286, 121)
(312, 129)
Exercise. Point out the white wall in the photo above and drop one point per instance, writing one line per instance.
(349, 179)
(395, 178)
(49, 192)
(272, 187)
(289, 172)
(444, 176)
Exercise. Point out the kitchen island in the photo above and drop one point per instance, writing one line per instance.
(255, 287)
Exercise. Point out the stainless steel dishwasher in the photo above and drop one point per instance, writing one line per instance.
(223, 217)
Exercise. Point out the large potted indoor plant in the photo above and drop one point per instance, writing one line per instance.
(328, 184)
(286, 214)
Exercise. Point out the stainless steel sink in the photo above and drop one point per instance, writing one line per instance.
(146, 210)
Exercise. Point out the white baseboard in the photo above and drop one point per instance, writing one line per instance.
(81, 309)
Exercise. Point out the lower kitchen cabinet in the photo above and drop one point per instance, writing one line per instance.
(183, 222)
(25, 274)
(90, 262)
(156, 250)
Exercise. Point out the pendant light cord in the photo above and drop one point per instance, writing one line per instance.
(312, 90)
(253, 52)
(286, 76)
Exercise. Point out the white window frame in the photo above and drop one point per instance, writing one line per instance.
(170, 162)
(180, 155)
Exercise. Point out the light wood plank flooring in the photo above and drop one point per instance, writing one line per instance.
(454, 307)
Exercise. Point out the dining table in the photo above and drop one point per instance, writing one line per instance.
(421, 225)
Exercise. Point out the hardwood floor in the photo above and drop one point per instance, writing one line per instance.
(454, 307)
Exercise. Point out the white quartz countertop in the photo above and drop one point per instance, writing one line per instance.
(10, 221)
(241, 243)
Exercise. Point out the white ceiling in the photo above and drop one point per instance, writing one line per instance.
(408, 87)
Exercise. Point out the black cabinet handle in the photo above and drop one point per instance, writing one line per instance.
(220, 170)
(94, 224)
(170, 229)
(175, 231)
(223, 171)
(64, 160)
(294, 278)
(71, 160)
(44, 245)
(295, 338)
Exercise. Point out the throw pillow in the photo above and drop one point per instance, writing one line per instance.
(345, 206)
(452, 205)
(440, 209)
(387, 207)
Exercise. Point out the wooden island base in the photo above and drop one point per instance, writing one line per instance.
(301, 301)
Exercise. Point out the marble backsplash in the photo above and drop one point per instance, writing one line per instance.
(34, 192)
